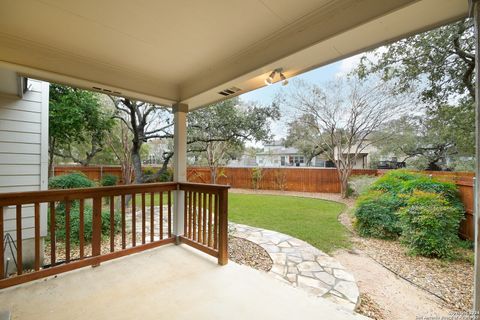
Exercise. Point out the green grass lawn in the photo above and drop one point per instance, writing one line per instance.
(312, 220)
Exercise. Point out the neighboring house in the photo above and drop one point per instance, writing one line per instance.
(23, 152)
(277, 155)
(244, 160)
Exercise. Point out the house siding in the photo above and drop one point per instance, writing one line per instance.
(24, 155)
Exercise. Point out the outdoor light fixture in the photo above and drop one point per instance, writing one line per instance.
(284, 80)
(269, 80)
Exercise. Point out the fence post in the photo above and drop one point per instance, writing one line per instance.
(96, 227)
(223, 228)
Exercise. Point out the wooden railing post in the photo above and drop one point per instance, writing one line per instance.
(96, 226)
(223, 228)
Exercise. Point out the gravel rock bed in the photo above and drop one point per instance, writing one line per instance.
(368, 307)
(451, 281)
(248, 253)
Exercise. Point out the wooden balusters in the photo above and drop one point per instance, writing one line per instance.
(190, 212)
(152, 216)
(185, 212)
(67, 231)
(112, 223)
(204, 222)
(194, 217)
(96, 226)
(124, 232)
(199, 223)
(19, 239)
(160, 224)
(223, 227)
(82, 228)
(209, 228)
(37, 235)
(169, 213)
(134, 218)
(143, 218)
(52, 235)
(215, 223)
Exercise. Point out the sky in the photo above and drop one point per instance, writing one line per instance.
(317, 76)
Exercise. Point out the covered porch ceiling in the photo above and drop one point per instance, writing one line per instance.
(189, 51)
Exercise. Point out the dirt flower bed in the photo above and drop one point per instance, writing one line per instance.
(248, 253)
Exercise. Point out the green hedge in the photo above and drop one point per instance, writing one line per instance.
(398, 204)
(109, 180)
(70, 181)
(376, 215)
(60, 232)
(430, 225)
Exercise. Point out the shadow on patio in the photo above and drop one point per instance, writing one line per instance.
(175, 282)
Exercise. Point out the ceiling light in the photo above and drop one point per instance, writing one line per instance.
(269, 80)
(284, 79)
(271, 77)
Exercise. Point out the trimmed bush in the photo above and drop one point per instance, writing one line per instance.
(109, 180)
(376, 215)
(430, 225)
(70, 181)
(394, 180)
(75, 223)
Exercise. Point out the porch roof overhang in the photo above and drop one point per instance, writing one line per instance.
(167, 52)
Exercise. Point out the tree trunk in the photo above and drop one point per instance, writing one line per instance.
(137, 163)
(343, 175)
(51, 154)
(213, 175)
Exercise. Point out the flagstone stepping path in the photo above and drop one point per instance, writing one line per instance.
(301, 265)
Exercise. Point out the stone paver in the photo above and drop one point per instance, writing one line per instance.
(302, 265)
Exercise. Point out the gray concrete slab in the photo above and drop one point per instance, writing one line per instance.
(170, 282)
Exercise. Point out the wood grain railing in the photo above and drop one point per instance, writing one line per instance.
(205, 218)
(109, 222)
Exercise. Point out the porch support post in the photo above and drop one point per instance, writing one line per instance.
(475, 10)
(180, 111)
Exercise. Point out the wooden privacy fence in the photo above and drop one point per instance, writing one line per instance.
(300, 179)
(287, 179)
(146, 222)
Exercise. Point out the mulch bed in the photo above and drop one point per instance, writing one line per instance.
(451, 281)
(248, 253)
(368, 307)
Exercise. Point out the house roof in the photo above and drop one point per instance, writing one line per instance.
(190, 51)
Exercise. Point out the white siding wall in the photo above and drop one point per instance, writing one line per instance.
(24, 151)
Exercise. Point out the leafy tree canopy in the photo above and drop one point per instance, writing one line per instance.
(78, 124)
(440, 62)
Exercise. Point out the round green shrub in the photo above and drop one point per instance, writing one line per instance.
(60, 232)
(376, 215)
(430, 225)
(109, 180)
(394, 180)
(70, 181)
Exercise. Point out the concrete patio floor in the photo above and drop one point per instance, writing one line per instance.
(174, 282)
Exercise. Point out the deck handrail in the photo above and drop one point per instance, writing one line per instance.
(151, 205)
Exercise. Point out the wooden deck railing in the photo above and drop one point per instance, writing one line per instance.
(205, 221)
(123, 220)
